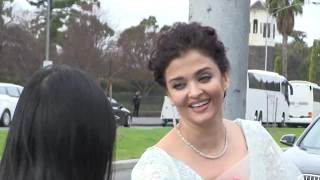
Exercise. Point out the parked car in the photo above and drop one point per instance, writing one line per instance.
(305, 152)
(9, 96)
(123, 115)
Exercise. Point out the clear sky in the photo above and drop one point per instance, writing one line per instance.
(125, 13)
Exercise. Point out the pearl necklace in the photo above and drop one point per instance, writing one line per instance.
(201, 153)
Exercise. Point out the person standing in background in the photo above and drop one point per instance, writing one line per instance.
(136, 103)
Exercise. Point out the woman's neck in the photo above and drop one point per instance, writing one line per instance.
(209, 139)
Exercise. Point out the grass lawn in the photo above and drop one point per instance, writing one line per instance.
(277, 133)
(3, 136)
(133, 142)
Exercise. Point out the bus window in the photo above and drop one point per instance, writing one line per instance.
(316, 94)
(291, 88)
(253, 82)
(285, 90)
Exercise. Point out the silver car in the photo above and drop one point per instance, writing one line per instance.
(305, 152)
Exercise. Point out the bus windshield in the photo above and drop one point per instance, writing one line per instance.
(285, 90)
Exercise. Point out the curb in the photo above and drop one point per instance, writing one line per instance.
(124, 164)
(129, 164)
(146, 125)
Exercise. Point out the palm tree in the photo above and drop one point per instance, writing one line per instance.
(285, 22)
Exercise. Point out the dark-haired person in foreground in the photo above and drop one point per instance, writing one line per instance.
(190, 63)
(63, 129)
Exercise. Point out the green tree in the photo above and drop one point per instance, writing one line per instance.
(63, 14)
(298, 51)
(165, 28)
(60, 9)
(305, 68)
(299, 36)
(89, 52)
(136, 44)
(277, 65)
(285, 22)
(4, 12)
(312, 71)
(313, 63)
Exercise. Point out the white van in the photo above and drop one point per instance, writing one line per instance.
(9, 96)
(167, 112)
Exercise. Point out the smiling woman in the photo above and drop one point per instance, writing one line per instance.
(188, 78)
(190, 63)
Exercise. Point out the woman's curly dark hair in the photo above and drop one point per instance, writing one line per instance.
(182, 38)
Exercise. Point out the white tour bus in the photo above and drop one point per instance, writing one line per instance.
(267, 99)
(304, 103)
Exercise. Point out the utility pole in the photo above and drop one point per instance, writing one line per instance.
(47, 62)
(231, 20)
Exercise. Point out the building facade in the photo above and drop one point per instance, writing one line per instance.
(262, 33)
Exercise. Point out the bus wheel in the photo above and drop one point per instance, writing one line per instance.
(283, 122)
(260, 118)
(255, 116)
(164, 122)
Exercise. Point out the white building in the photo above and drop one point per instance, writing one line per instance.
(260, 31)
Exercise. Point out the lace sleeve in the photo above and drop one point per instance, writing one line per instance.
(275, 165)
(153, 165)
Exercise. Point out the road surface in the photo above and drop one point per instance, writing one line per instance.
(123, 175)
(147, 122)
(138, 122)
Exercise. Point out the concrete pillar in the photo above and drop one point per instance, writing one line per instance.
(231, 20)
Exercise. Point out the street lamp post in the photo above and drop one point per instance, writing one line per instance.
(266, 39)
(47, 62)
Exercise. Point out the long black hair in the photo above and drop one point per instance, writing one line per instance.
(63, 129)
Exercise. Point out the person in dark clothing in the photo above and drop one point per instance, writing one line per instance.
(136, 103)
(63, 128)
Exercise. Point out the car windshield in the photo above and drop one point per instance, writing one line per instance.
(114, 103)
(2, 90)
(312, 140)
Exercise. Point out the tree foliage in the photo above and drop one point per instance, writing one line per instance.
(136, 43)
(87, 43)
(284, 11)
(277, 65)
(313, 63)
(165, 28)
(61, 12)
(298, 54)
(5, 12)
(89, 52)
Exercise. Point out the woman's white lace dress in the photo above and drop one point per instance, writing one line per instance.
(264, 161)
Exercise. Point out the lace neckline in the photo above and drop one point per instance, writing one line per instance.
(246, 157)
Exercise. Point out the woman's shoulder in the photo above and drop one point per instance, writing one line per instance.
(154, 163)
(266, 154)
(258, 138)
(252, 127)
(255, 134)
(154, 154)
